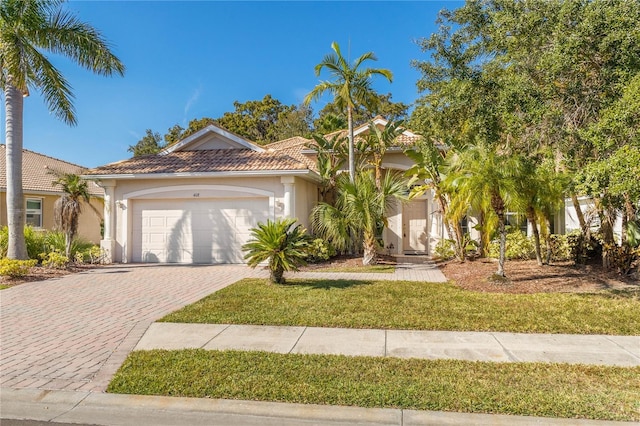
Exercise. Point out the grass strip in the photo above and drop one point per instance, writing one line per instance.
(411, 305)
(530, 389)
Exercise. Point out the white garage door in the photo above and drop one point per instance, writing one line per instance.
(194, 231)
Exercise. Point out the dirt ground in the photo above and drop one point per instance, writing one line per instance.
(525, 276)
(40, 273)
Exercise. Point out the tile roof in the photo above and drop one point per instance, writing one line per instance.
(202, 161)
(37, 175)
(293, 147)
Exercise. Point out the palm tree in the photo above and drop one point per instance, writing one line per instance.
(378, 141)
(27, 28)
(350, 87)
(67, 208)
(541, 189)
(481, 179)
(361, 210)
(281, 243)
(330, 156)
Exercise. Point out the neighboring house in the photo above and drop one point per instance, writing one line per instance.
(40, 194)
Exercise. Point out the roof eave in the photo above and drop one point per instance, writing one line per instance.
(310, 174)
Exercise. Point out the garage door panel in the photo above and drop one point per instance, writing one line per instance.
(194, 231)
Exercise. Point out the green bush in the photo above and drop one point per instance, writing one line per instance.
(518, 246)
(16, 268)
(445, 250)
(559, 247)
(35, 241)
(54, 259)
(92, 255)
(4, 241)
(320, 250)
(55, 241)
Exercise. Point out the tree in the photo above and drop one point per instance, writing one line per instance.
(257, 120)
(350, 87)
(486, 181)
(377, 142)
(282, 244)
(151, 143)
(332, 118)
(67, 208)
(330, 158)
(27, 28)
(360, 211)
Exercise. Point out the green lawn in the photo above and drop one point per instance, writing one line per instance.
(3, 286)
(532, 389)
(411, 305)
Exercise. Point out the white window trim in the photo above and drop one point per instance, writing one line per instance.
(34, 211)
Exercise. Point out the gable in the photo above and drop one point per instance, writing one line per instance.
(211, 138)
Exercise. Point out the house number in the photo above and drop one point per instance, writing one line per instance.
(196, 194)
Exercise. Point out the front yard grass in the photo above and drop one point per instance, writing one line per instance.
(412, 305)
(532, 389)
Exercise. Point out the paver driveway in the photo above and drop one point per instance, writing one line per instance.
(74, 332)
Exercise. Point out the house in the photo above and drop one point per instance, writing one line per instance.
(40, 194)
(196, 201)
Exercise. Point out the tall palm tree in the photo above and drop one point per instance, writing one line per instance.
(27, 29)
(350, 87)
(361, 210)
(67, 208)
(486, 181)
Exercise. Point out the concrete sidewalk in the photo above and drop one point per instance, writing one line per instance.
(135, 410)
(473, 346)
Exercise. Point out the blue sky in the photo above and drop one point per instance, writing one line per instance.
(189, 60)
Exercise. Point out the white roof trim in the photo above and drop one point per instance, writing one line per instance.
(211, 128)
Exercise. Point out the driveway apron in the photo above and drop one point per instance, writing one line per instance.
(74, 332)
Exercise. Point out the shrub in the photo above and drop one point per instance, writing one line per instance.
(35, 241)
(92, 255)
(16, 268)
(445, 249)
(55, 241)
(282, 243)
(518, 246)
(320, 250)
(558, 247)
(54, 259)
(4, 241)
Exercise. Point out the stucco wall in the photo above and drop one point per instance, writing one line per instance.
(89, 221)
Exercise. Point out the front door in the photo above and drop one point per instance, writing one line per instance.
(414, 227)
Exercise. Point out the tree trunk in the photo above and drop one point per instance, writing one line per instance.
(67, 244)
(352, 161)
(503, 244)
(579, 214)
(276, 275)
(369, 247)
(14, 104)
(531, 217)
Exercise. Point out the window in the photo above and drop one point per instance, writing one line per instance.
(34, 212)
(464, 225)
(516, 221)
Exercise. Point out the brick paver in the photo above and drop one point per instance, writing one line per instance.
(74, 332)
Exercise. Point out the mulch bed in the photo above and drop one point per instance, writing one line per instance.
(41, 273)
(525, 276)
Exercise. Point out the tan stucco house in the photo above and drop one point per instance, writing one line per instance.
(40, 194)
(196, 201)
